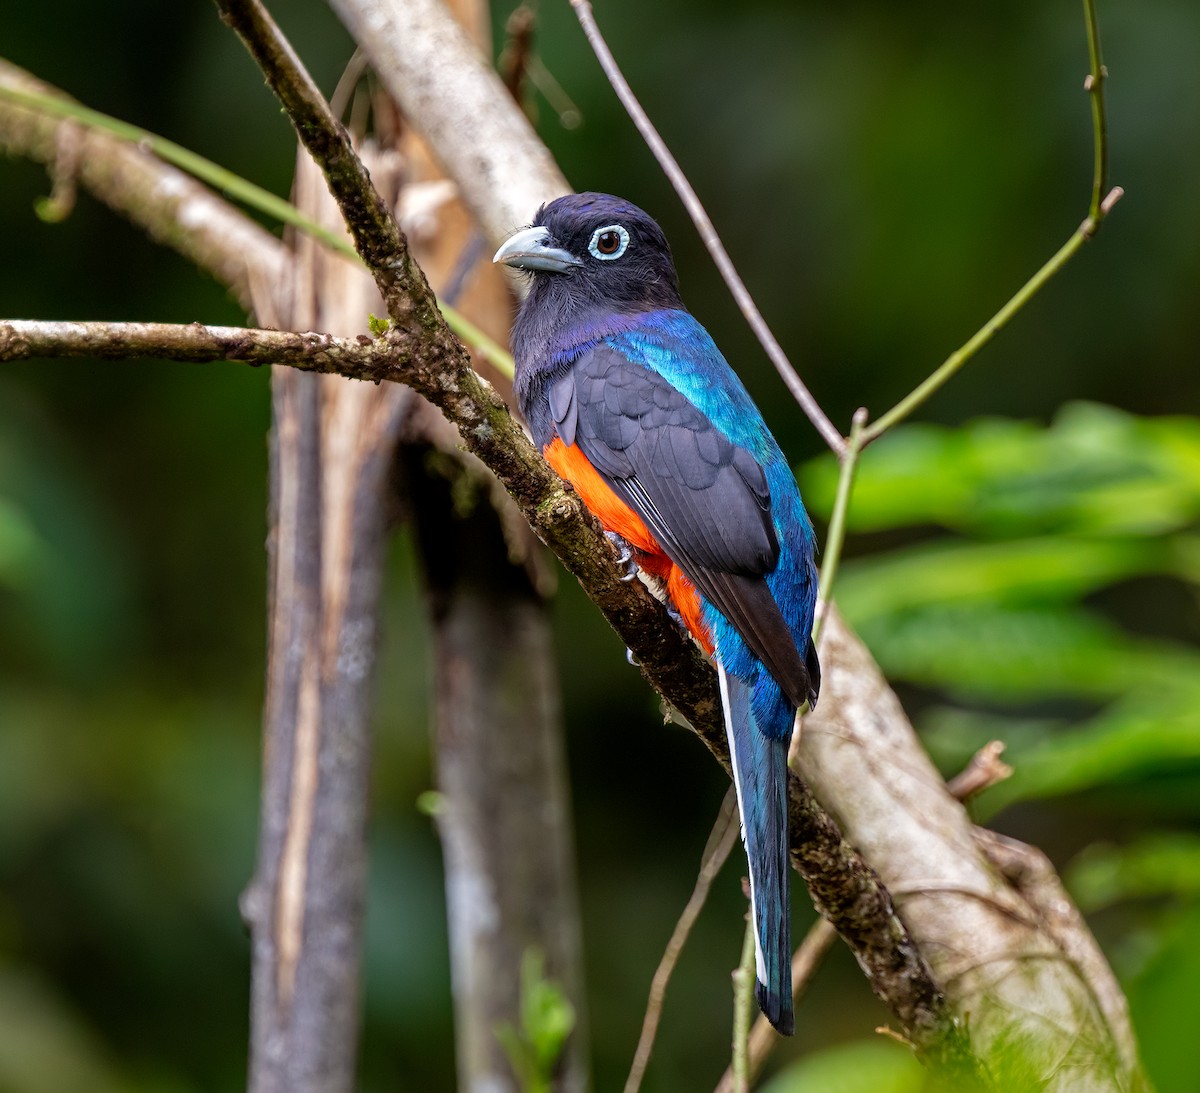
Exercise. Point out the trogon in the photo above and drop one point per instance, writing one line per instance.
(631, 402)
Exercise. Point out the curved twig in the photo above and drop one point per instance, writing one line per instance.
(708, 232)
(720, 843)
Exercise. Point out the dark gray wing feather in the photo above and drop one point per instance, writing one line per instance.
(705, 499)
(697, 488)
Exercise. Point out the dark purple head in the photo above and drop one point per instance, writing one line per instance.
(596, 263)
(591, 257)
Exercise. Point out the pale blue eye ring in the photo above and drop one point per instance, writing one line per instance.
(608, 242)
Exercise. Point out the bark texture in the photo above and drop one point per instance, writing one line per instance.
(331, 453)
(454, 97)
(504, 820)
(988, 913)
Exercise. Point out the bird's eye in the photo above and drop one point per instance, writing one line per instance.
(608, 242)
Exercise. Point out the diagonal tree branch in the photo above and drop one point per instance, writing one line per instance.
(372, 225)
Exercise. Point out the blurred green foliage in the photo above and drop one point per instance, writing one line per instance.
(884, 175)
(547, 1018)
(1021, 620)
(871, 1067)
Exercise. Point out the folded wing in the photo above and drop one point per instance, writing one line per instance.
(706, 500)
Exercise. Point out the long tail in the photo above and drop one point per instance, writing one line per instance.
(760, 776)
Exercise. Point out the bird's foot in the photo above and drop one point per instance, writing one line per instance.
(676, 617)
(624, 555)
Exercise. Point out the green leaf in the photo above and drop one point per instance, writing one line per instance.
(865, 1066)
(547, 1018)
(546, 1013)
(1096, 470)
(1027, 571)
(1162, 864)
(19, 545)
(1013, 654)
(1162, 1002)
(1149, 732)
(431, 802)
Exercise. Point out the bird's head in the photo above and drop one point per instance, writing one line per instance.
(595, 250)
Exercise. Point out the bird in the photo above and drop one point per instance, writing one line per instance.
(632, 403)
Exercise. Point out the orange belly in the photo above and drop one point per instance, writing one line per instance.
(616, 516)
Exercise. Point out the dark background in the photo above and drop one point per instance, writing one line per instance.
(884, 176)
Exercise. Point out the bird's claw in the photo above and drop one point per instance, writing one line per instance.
(624, 555)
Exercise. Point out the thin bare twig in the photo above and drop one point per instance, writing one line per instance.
(716, 853)
(743, 1008)
(835, 538)
(1093, 84)
(704, 225)
(805, 961)
(985, 769)
(513, 62)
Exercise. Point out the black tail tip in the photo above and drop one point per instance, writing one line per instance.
(775, 1009)
(814, 675)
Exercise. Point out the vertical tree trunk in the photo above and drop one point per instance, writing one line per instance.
(332, 446)
(504, 818)
(510, 887)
